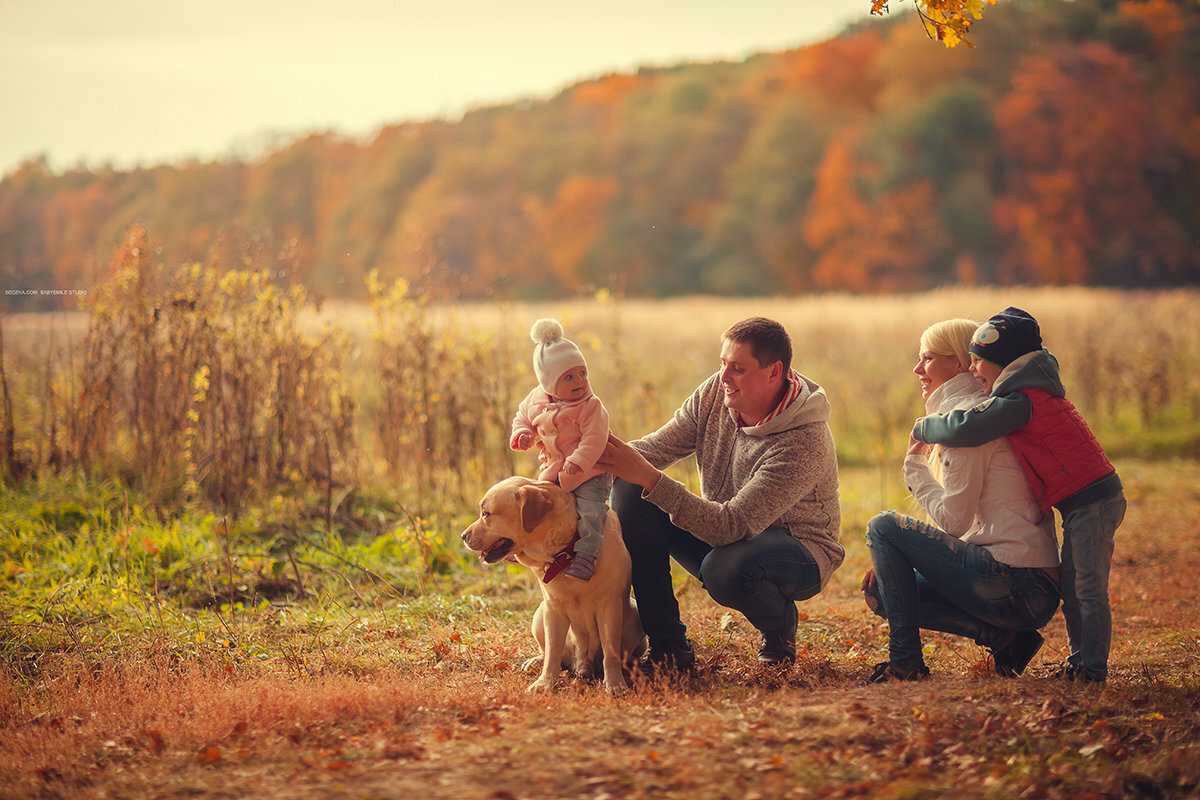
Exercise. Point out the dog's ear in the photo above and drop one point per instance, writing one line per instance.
(535, 504)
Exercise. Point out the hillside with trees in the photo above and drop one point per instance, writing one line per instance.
(1063, 148)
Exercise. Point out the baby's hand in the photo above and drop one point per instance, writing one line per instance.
(521, 441)
(571, 468)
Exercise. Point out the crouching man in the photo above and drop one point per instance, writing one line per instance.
(764, 532)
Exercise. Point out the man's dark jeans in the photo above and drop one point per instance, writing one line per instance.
(761, 577)
(926, 578)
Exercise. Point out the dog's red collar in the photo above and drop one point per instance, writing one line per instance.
(562, 559)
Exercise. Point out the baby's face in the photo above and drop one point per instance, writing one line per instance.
(572, 384)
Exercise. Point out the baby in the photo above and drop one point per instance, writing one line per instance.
(570, 427)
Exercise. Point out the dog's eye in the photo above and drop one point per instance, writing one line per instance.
(484, 514)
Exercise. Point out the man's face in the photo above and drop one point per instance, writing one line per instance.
(750, 388)
(985, 371)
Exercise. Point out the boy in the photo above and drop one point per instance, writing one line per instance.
(1063, 463)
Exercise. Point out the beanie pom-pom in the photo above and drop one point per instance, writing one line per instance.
(545, 331)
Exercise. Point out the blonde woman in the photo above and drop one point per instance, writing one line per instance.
(987, 566)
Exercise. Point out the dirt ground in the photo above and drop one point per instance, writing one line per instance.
(462, 727)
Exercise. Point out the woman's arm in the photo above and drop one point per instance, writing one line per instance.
(953, 503)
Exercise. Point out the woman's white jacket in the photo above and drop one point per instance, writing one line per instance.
(982, 496)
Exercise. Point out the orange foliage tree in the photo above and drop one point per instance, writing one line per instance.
(865, 244)
(1080, 204)
(1066, 151)
(569, 224)
(947, 21)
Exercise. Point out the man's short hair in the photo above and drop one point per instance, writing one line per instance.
(768, 341)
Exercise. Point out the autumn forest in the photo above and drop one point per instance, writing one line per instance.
(1063, 148)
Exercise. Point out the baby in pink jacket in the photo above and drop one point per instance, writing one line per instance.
(569, 425)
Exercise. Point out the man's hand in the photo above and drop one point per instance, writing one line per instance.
(628, 464)
(521, 441)
(571, 468)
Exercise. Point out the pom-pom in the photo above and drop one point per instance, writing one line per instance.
(545, 331)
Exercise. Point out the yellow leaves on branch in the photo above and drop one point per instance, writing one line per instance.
(947, 21)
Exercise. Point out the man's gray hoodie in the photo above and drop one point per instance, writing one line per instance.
(783, 472)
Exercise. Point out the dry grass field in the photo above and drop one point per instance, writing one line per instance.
(422, 696)
(331, 638)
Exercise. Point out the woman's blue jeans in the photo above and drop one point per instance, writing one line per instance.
(926, 578)
(761, 577)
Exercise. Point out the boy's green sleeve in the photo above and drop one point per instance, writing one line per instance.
(994, 418)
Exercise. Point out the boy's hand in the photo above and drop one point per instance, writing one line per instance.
(916, 447)
(521, 441)
(571, 468)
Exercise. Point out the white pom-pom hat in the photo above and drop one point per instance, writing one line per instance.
(553, 354)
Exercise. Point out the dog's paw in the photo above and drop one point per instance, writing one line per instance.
(585, 670)
(541, 686)
(617, 687)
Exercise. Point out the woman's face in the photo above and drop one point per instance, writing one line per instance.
(932, 370)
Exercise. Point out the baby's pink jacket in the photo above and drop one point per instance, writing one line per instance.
(575, 432)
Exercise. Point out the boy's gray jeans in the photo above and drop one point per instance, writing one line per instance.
(1087, 550)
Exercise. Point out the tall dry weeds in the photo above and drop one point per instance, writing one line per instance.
(445, 397)
(197, 382)
(225, 386)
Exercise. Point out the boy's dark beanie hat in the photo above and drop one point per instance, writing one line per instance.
(1006, 337)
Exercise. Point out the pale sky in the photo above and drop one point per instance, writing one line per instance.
(146, 81)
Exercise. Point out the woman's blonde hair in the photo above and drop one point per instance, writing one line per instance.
(950, 337)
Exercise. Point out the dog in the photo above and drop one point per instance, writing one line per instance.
(580, 625)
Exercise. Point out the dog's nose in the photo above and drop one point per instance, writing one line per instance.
(466, 533)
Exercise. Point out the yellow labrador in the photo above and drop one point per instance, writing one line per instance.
(534, 522)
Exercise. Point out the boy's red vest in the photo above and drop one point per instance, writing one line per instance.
(1057, 450)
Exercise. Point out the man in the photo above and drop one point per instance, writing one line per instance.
(764, 533)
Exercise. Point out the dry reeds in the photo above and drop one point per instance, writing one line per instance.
(193, 382)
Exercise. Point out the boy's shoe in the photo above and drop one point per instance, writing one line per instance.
(675, 655)
(1012, 659)
(1067, 671)
(887, 671)
(582, 566)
